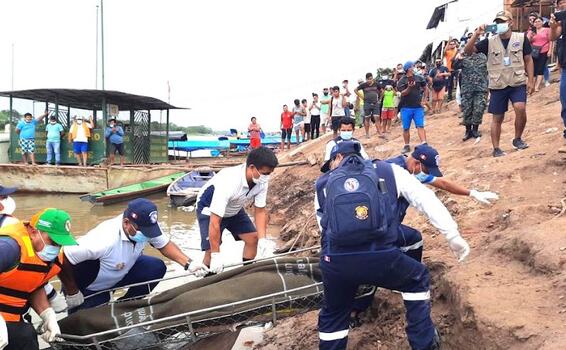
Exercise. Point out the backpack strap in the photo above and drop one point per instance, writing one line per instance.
(2, 219)
(385, 172)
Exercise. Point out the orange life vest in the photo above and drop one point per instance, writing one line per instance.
(30, 274)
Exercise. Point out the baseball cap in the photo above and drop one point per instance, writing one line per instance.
(78, 117)
(504, 16)
(344, 148)
(143, 213)
(56, 223)
(6, 191)
(360, 81)
(408, 65)
(428, 157)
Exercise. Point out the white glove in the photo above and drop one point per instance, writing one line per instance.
(49, 327)
(198, 268)
(483, 197)
(459, 247)
(216, 263)
(3, 333)
(265, 248)
(74, 300)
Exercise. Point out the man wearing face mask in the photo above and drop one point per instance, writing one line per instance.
(79, 133)
(7, 206)
(324, 110)
(511, 73)
(111, 256)
(346, 134)
(114, 135)
(220, 205)
(29, 257)
(350, 193)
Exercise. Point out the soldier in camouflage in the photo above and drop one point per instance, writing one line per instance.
(473, 89)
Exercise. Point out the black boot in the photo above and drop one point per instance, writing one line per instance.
(475, 131)
(468, 134)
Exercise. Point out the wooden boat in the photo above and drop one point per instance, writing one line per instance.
(129, 192)
(183, 191)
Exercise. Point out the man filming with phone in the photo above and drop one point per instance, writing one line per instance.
(558, 34)
(511, 74)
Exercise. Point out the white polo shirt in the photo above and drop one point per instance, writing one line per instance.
(228, 192)
(108, 243)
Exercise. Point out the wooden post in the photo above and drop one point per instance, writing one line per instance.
(10, 116)
(132, 134)
(149, 136)
(167, 136)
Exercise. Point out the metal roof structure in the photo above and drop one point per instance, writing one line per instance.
(91, 99)
(532, 3)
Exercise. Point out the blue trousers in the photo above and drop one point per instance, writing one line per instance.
(563, 98)
(391, 269)
(410, 241)
(146, 268)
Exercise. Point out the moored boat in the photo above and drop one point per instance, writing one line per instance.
(183, 191)
(129, 192)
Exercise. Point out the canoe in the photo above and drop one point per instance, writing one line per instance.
(183, 191)
(142, 189)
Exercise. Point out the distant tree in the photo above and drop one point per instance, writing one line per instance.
(198, 130)
(5, 117)
(384, 71)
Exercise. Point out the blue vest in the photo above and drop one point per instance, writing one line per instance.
(402, 204)
(383, 241)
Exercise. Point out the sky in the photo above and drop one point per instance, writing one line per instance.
(227, 60)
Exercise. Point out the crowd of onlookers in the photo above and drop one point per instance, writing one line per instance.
(78, 136)
(486, 69)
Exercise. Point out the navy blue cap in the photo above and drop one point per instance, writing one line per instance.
(6, 191)
(428, 157)
(343, 148)
(143, 213)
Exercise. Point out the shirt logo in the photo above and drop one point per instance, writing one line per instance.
(153, 217)
(362, 212)
(516, 45)
(351, 184)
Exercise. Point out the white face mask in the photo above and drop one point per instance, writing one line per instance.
(79, 122)
(261, 180)
(346, 135)
(502, 28)
(9, 206)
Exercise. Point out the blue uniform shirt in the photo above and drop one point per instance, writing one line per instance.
(27, 130)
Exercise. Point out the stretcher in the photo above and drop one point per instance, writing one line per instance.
(296, 286)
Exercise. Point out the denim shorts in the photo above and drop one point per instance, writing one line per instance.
(499, 99)
(410, 114)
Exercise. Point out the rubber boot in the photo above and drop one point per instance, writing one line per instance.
(468, 134)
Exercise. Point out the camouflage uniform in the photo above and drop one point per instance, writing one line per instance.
(473, 88)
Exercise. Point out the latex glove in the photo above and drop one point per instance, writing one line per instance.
(3, 333)
(74, 300)
(198, 268)
(459, 247)
(265, 248)
(50, 327)
(216, 263)
(483, 197)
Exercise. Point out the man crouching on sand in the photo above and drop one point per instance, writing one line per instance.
(220, 205)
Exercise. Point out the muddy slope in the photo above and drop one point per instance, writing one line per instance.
(511, 292)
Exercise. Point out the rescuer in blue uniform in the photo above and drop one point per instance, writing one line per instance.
(356, 205)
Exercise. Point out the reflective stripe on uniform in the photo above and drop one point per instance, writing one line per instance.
(333, 336)
(415, 246)
(416, 296)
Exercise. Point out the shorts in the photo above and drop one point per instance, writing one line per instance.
(80, 147)
(255, 142)
(298, 126)
(396, 100)
(388, 113)
(238, 224)
(27, 145)
(410, 114)
(371, 110)
(286, 134)
(499, 100)
(336, 123)
(116, 147)
(307, 127)
(323, 119)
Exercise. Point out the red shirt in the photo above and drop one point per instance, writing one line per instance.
(287, 120)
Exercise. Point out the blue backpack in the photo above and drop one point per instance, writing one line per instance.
(356, 209)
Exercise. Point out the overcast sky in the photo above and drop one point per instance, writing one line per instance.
(227, 60)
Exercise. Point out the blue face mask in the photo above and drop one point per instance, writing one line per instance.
(49, 252)
(502, 28)
(346, 135)
(422, 176)
(139, 237)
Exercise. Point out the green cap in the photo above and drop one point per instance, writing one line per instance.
(56, 223)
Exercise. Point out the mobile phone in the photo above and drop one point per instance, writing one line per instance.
(491, 28)
(560, 15)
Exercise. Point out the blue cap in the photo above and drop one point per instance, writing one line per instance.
(408, 65)
(6, 191)
(428, 157)
(343, 148)
(143, 213)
